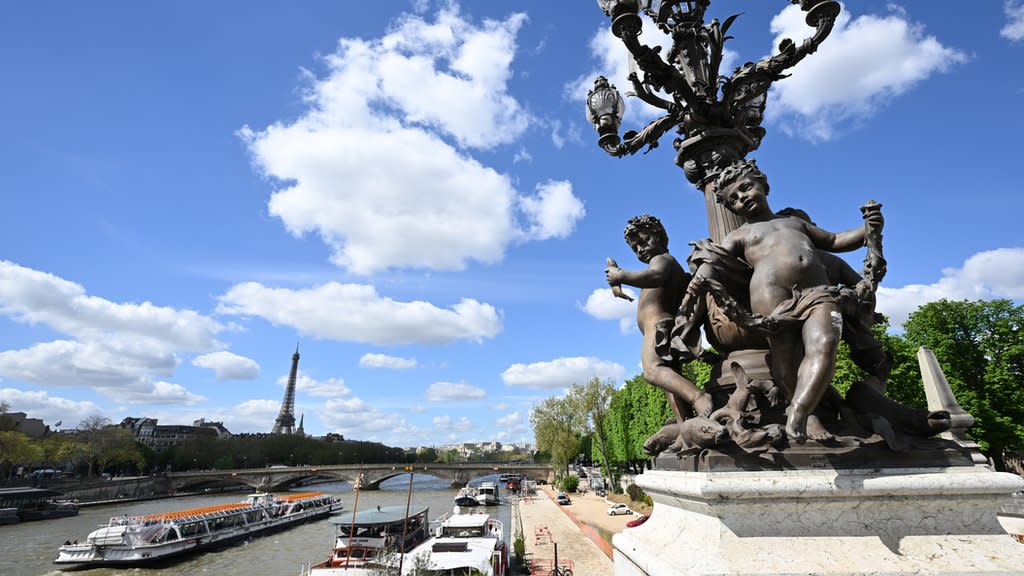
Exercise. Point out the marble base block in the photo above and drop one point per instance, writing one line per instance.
(888, 521)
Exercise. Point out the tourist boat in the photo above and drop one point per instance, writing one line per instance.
(25, 504)
(366, 541)
(1011, 517)
(487, 494)
(470, 543)
(129, 540)
(466, 497)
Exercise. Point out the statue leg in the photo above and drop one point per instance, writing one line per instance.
(820, 334)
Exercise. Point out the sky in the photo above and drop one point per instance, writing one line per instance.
(409, 192)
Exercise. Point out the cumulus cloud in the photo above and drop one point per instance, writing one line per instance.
(453, 391)
(49, 409)
(1014, 29)
(356, 313)
(561, 372)
(992, 274)
(330, 388)
(509, 420)
(603, 305)
(553, 211)
(448, 424)
(228, 366)
(385, 361)
(115, 348)
(865, 62)
(384, 174)
(353, 418)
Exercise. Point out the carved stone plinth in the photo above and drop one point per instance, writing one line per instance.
(848, 521)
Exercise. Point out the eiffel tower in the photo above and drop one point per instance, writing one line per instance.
(285, 423)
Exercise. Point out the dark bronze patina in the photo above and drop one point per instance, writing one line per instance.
(766, 289)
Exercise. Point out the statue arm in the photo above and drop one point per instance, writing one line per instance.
(654, 276)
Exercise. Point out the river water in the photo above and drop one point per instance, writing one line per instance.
(28, 549)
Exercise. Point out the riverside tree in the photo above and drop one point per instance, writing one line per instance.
(980, 346)
(556, 430)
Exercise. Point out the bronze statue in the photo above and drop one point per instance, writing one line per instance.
(772, 283)
(662, 285)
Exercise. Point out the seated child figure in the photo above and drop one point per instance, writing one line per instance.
(662, 285)
(789, 286)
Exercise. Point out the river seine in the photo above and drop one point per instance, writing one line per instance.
(28, 549)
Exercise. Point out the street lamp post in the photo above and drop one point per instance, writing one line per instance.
(717, 117)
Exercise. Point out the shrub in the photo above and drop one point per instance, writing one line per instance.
(637, 494)
(570, 483)
(519, 546)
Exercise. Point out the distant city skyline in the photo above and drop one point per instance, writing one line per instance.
(412, 191)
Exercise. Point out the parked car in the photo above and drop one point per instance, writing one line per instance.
(616, 509)
(563, 499)
(637, 522)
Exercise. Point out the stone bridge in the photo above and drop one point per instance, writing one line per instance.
(282, 478)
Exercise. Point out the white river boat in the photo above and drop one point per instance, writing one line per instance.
(131, 540)
(487, 494)
(464, 544)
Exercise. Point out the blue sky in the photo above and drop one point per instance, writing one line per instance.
(410, 191)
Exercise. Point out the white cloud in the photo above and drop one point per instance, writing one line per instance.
(385, 361)
(553, 212)
(355, 419)
(603, 305)
(33, 297)
(453, 391)
(561, 372)
(509, 420)
(380, 164)
(446, 423)
(330, 388)
(1014, 29)
(500, 406)
(522, 156)
(356, 313)
(251, 416)
(161, 393)
(116, 348)
(864, 63)
(49, 409)
(992, 274)
(228, 366)
(418, 409)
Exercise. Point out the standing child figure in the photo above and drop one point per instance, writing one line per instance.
(789, 287)
(662, 285)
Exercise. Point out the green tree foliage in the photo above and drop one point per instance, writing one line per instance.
(556, 430)
(16, 449)
(635, 411)
(592, 400)
(980, 346)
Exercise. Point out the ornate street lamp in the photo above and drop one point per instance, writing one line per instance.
(717, 118)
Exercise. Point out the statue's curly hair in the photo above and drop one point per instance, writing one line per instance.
(733, 172)
(648, 223)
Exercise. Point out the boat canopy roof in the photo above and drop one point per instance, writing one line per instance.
(466, 520)
(378, 515)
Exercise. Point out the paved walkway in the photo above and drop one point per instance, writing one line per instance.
(546, 524)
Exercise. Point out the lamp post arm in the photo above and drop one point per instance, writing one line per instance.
(649, 136)
(643, 93)
(658, 73)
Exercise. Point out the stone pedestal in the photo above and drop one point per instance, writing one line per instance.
(854, 521)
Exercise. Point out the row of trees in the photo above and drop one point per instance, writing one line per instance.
(97, 447)
(980, 346)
